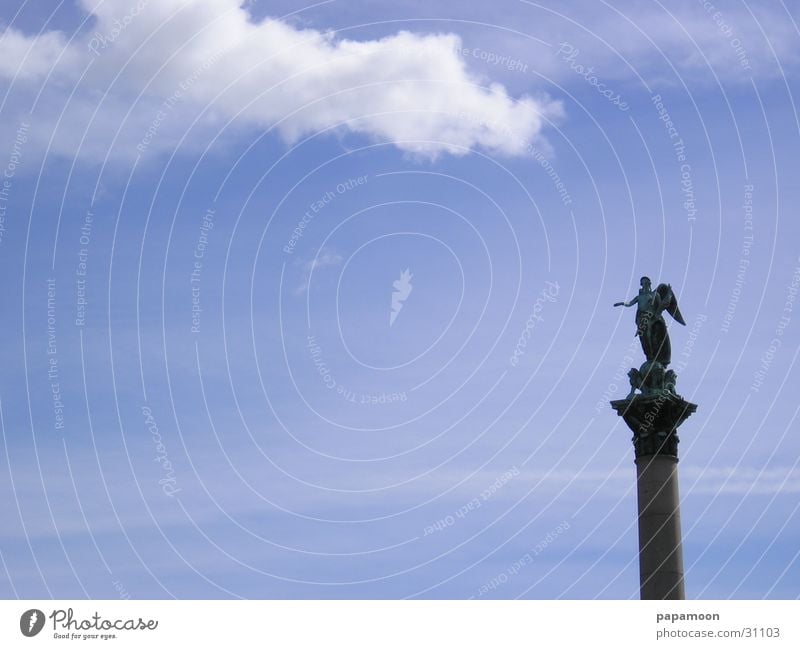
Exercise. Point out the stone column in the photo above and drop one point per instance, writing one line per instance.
(654, 420)
(660, 548)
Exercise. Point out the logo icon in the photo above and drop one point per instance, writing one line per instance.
(31, 622)
(402, 289)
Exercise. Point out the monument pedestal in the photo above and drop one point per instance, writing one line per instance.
(654, 419)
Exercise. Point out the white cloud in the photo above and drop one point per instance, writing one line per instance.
(29, 59)
(413, 90)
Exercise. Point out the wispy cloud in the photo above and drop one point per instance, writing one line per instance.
(694, 479)
(326, 257)
(662, 43)
(743, 480)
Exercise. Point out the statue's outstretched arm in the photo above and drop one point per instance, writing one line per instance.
(631, 303)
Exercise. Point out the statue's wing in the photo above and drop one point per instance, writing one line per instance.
(670, 302)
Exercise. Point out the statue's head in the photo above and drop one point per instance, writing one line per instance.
(645, 283)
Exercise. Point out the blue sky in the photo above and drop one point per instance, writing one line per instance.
(204, 394)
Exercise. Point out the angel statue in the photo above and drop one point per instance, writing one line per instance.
(650, 325)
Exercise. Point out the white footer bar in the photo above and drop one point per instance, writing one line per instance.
(402, 624)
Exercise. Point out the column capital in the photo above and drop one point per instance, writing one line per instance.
(654, 421)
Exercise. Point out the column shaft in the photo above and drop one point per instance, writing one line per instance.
(660, 549)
